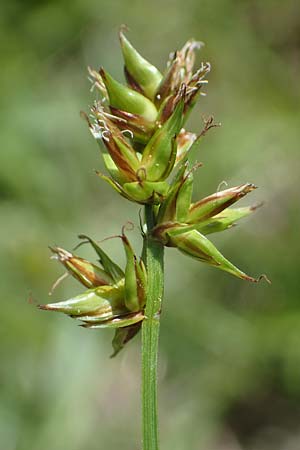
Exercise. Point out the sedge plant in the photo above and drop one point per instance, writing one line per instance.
(140, 129)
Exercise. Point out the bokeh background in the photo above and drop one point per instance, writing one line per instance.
(229, 351)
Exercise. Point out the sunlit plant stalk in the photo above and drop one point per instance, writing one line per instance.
(154, 259)
(146, 150)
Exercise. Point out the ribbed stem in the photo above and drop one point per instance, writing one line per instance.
(153, 256)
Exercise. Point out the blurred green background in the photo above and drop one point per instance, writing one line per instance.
(229, 351)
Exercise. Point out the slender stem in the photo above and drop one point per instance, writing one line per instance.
(153, 255)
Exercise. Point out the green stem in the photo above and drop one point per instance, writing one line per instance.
(153, 255)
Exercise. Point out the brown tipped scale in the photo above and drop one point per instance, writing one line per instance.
(140, 128)
(180, 70)
(119, 149)
(84, 271)
(217, 202)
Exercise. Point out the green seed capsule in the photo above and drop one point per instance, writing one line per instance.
(226, 219)
(131, 295)
(184, 197)
(168, 209)
(105, 302)
(145, 192)
(159, 155)
(194, 244)
(126, 99)
(135, 279)
(140, 73)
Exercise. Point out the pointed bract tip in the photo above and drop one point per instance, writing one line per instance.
(124, 28)
(264, 277)
(258, 279)
(128, 226)
(248, 187)
(256, 206)
(63, 255)
(245, 188)
(45, 307)
(195, 167)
